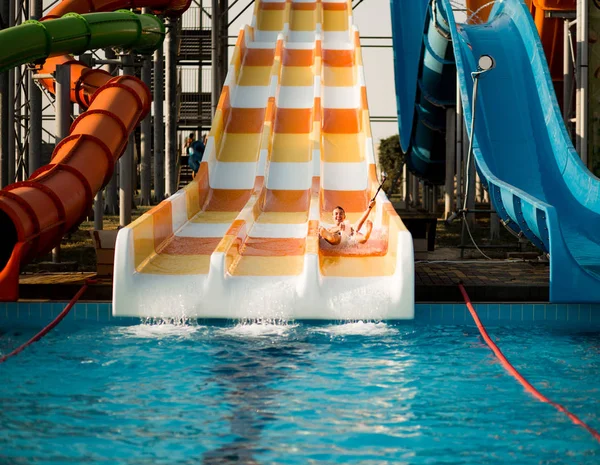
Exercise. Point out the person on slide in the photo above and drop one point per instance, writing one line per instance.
(343, 232)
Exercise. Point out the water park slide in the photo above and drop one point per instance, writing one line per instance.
(425, 78)
(549, 29)
(290, 140)
(35, 214)
(535, 179)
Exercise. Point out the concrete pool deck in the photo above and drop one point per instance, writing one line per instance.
(435, 281)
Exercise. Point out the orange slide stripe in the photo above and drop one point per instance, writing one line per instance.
(227, 200)
(341, 120)
(298, 57)
(191, 246)
(329, 6)
(245, 120)
(338, 57)
(293, 120)
(304, 6)
(272, 247)
(259, 57)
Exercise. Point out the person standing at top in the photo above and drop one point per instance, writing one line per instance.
(195, 150)
(188, 143)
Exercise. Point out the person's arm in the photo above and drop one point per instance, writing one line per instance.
(364, 216)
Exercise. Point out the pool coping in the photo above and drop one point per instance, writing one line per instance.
(578, 316)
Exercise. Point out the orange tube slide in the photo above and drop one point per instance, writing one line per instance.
(551, 33)
(35, 214)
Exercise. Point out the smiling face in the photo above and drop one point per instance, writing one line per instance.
(338, 215)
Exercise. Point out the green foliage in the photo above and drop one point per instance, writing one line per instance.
(391, 160)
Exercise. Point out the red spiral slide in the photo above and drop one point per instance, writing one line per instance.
(35, 214)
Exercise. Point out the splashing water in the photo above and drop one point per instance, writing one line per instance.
(158, 327)
(358, 328)
(261, 327)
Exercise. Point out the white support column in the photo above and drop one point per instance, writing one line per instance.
(450, 161)
(470, 189)
(459, 149)
(584, 80)
(581, 118)
(567, 75)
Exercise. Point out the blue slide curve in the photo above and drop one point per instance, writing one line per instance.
(425, 77)
(535, 179)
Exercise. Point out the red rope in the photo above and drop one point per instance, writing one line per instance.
(513, 371)
(48, 328)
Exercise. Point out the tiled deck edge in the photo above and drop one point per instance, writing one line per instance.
(585, 316)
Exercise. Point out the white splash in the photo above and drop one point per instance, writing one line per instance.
(152, 328)
(259, 328)
(358, 328)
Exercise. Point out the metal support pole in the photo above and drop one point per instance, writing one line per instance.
(146, 143)
(405, 186)
(567, 76)
(459, 148)
(35, 103)
(159, 125)
(434, 199)
(126, 161)
(414, 191)
(11, 108)
(223, 47)
(578, 78)
(584, 80)
(215, 54)
(171, 110)
(450, 161)
(63, 117)
(112, 196)
(4, 104)
(469, 182)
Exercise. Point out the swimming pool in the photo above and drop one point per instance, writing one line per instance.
(369, 393)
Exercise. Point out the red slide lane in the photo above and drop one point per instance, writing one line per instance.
(513, 371)
(35, 214)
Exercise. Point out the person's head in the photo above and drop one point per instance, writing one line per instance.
(339, 215)
(191, 136)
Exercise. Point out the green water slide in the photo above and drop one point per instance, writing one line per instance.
(33, 41)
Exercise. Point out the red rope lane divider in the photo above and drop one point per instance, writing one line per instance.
(513, 371)
(48, 328)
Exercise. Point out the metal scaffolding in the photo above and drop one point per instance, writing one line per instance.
(185, 76)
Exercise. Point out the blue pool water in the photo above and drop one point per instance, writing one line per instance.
(357, 393)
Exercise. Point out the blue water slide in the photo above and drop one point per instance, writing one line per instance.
(425, 84)
(535, 179)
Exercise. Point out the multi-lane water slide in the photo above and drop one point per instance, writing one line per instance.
(35, 214)
(290, 140)
(535, 179)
